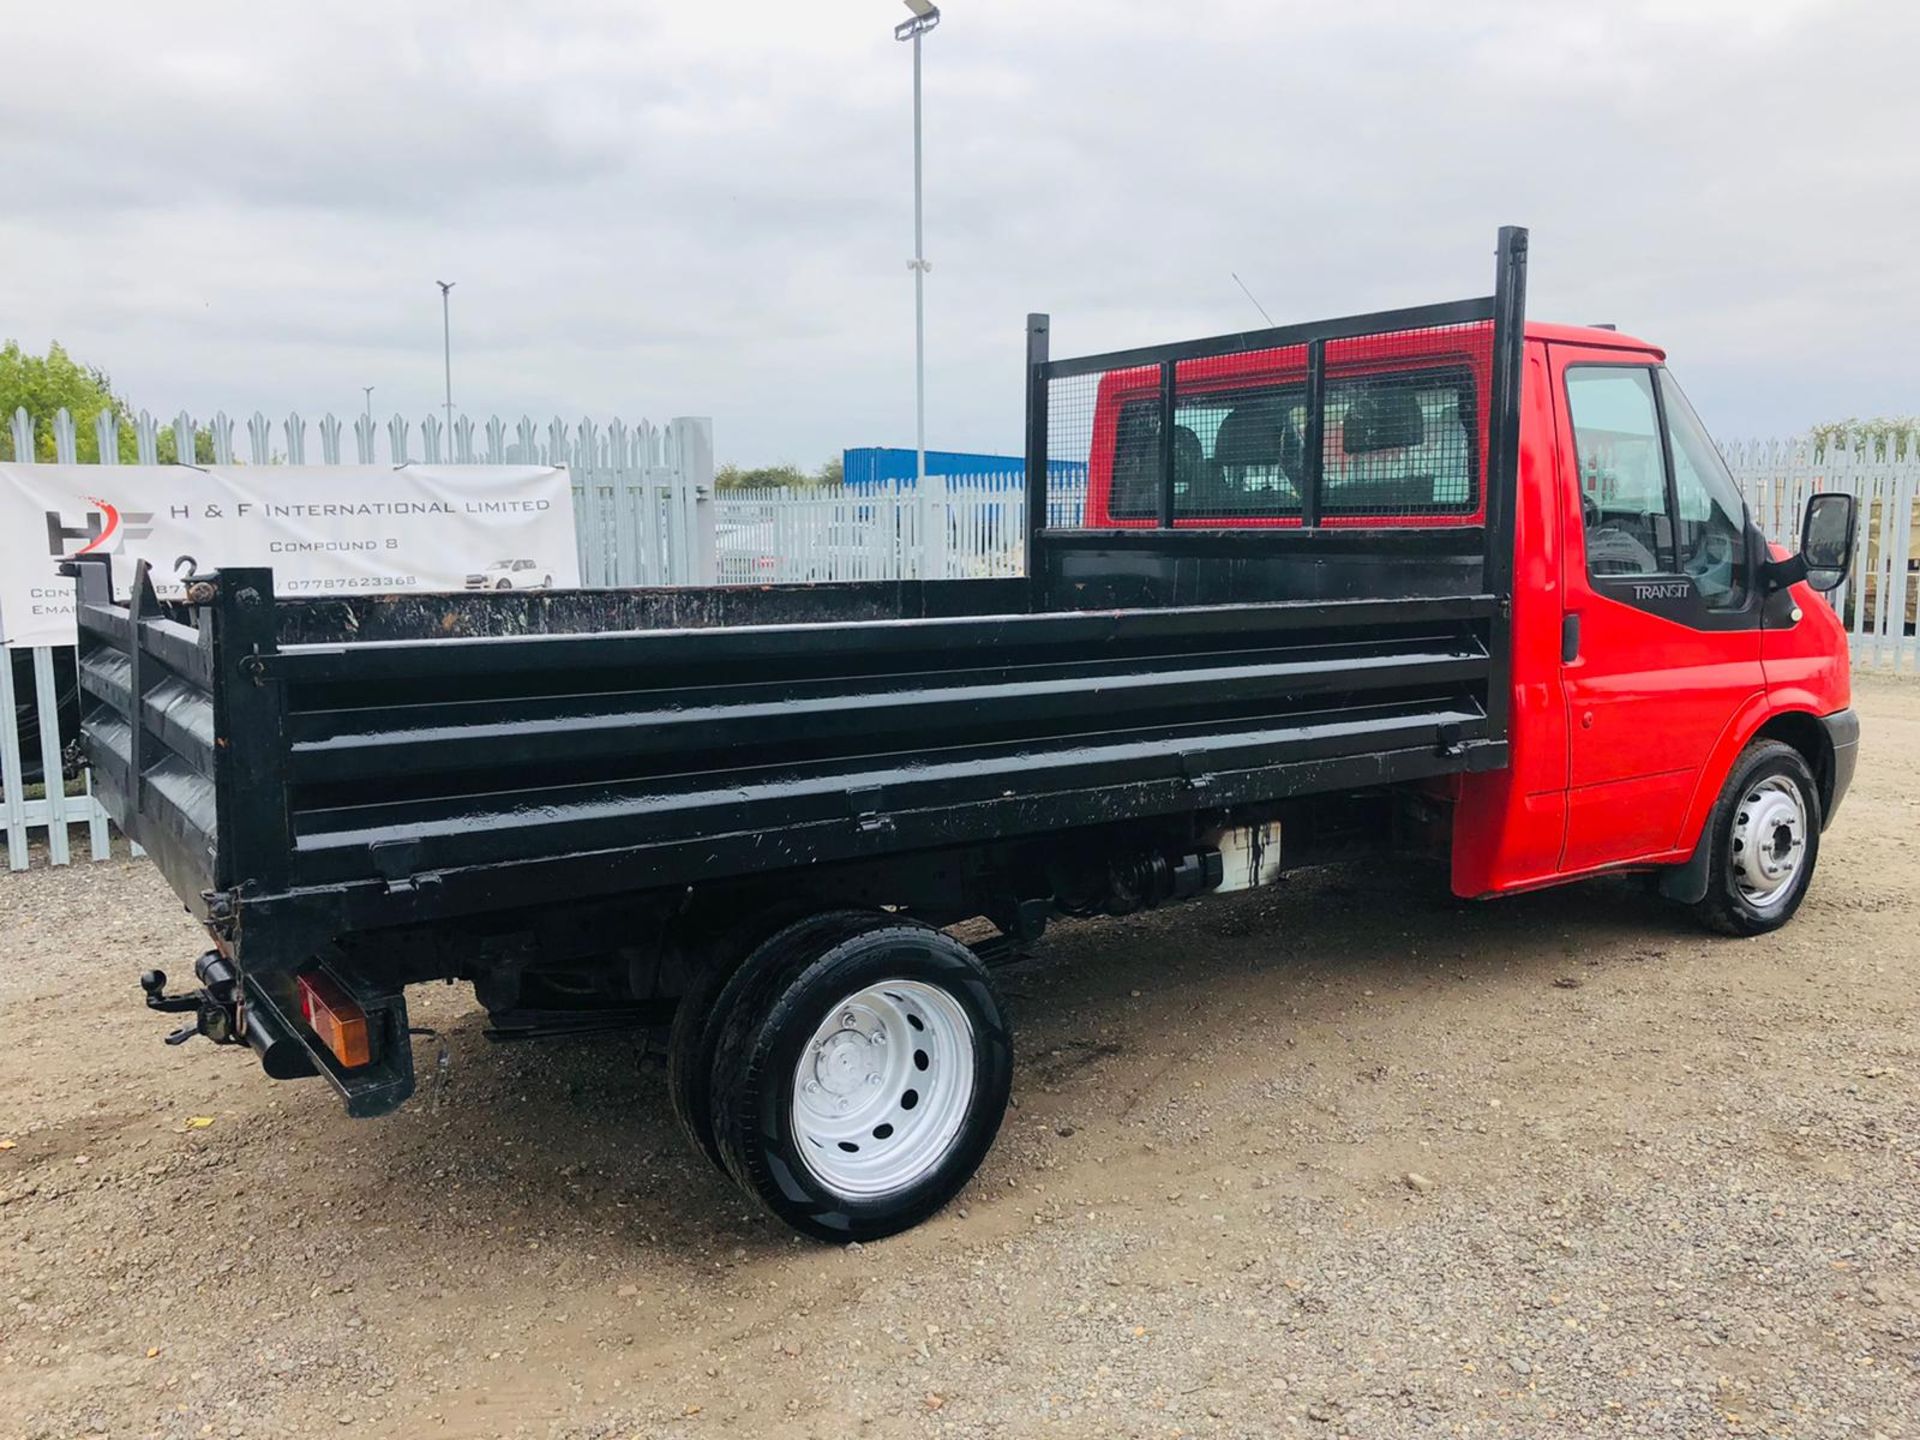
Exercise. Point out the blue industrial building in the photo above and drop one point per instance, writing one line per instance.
(871, 466)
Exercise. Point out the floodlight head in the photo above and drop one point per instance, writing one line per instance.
(926, 15)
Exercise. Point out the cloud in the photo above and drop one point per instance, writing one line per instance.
(657, 209)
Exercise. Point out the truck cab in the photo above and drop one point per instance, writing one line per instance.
(1655, 636)
(1654, 643)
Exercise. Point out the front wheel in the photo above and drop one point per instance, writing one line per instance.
(857, 1089)
(1765, 838)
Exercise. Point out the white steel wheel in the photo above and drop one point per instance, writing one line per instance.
(1765, 837)
(859, 1080)
(1769, 841)
(882, 1088)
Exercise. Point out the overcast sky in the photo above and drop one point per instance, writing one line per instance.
(654, 209)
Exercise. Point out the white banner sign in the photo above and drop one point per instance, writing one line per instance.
(324, 530)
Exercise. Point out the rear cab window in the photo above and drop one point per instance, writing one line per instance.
(1402, 438)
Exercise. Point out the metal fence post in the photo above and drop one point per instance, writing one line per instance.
(14, 804)
(52, 771)
(692, 437)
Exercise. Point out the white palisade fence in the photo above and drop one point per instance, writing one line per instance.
(960, 527)
(1882, 592)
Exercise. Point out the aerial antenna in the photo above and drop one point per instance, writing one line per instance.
(1249, 294)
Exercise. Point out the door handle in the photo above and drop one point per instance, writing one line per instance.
(1569, 638)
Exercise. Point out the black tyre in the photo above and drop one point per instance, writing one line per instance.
(701, 1011)
(856, 1088)
(1765, 837)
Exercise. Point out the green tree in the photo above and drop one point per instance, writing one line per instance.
(166, 452)
(773, 477)
(43, 385)
(760, 477)
(1898, 435)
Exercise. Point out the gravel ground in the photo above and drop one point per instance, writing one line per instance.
(1343, 1158)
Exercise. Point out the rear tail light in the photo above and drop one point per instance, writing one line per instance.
(336, 1018)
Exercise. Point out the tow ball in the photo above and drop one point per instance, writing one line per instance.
(213, 1006)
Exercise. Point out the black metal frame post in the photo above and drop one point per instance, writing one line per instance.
(1164, 507)
(1037, 376)
(141, 602)
(1503, 458)
(1314, 442)
(250, 789)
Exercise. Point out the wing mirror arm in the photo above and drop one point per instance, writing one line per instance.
(1779, 574)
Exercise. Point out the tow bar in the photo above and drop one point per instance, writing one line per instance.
(221, 1014)
(214, 1004)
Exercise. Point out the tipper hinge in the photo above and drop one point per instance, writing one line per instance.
(398, 863)
(867, 812)
(1196, 768)
(223, 909)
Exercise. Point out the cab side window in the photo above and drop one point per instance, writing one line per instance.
(1711, 516)
(1623, 481)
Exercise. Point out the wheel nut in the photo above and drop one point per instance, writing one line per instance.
(847, 1019)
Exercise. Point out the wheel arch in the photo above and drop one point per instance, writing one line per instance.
(1803, 731)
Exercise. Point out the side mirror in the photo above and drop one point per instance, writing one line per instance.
(1826, 539)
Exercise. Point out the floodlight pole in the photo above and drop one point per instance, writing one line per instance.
(446, 343)
(925, 17)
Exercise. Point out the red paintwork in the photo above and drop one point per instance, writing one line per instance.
(1616, 758)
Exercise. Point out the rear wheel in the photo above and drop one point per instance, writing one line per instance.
(1765, 838)
(858, 1083)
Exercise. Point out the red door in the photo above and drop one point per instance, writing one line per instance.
(1661, 640)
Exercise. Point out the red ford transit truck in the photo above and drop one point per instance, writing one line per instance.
(1432, 580)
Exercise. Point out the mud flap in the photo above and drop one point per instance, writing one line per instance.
(1687, 882)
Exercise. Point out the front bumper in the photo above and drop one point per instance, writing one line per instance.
(1843, 736)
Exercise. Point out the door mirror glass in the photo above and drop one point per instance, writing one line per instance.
(1826, 539)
